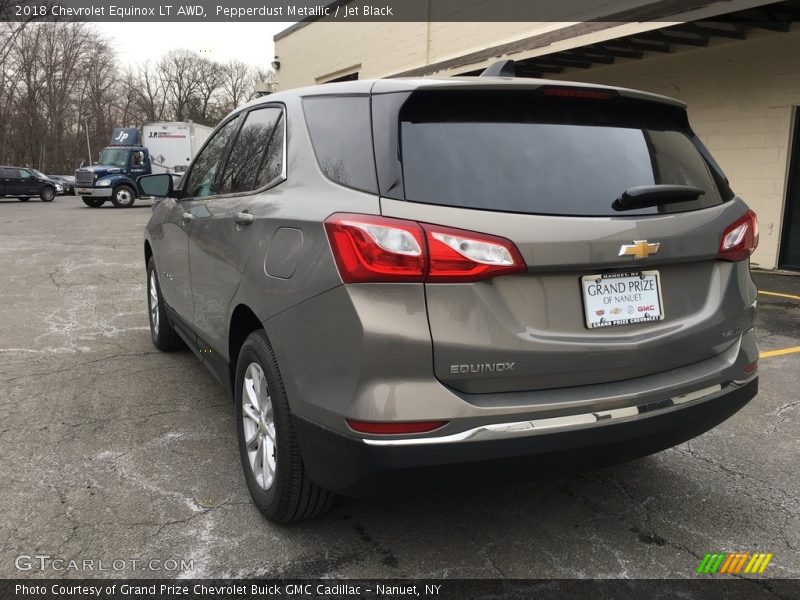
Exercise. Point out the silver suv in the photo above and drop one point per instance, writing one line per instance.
(396, 274)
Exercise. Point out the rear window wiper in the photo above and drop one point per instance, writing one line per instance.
(644, 196)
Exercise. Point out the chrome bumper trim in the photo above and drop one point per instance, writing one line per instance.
(497, 431)
(101, 192)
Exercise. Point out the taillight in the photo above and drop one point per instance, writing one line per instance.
(740, 238)
(394, 427)
(369, 248)
(455, 255)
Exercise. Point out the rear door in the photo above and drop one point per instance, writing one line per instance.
(608, 294)
(225, 231)
(172, 256)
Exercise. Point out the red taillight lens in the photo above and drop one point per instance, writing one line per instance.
(740, 238)
(462, 256)
(394, 427)
(372, 249)
(369, 248)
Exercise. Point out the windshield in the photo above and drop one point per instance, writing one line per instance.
(38, 174)
(529, 155)
(114, 156)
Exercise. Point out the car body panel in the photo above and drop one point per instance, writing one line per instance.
(169, 238)
(536, 321)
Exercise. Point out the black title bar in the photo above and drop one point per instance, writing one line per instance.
(700, 588)
(356, 10)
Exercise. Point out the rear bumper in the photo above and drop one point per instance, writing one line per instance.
(104, 192)
(352, 466)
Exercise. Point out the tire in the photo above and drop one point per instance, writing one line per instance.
(24, 199)
(48, 194)
(289, 495)
(123, 196)
(93, 202)
(163, 334)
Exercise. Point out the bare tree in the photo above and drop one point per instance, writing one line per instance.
(183, 78)
(211, 77)
(235, 85)
(61, 53)
(149, 89)
(60, 80)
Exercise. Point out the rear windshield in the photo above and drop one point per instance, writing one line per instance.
(522, 152)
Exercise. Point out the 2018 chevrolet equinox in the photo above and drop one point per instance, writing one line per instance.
(405, 273)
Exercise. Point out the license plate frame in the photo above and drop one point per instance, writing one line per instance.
(613, 306)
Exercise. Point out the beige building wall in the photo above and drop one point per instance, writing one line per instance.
(741, 98)
(320, 51)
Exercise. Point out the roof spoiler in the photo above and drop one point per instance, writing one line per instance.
(502, 68)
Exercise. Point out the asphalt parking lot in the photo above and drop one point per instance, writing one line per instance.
(112, 450)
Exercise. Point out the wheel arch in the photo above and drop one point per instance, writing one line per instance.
(243, 322)
(148, 252)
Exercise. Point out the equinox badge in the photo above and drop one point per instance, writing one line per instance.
(501, 367)
(639, 249)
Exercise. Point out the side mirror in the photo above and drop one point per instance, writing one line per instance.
(159, 186)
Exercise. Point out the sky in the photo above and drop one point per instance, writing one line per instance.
(249, 42)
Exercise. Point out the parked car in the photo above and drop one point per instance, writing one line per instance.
(395, 274)
(67, 182)
(24, 183)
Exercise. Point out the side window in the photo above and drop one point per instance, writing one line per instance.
(137, 158)
(7, 173)
(200, 180)
(271, 165)
(25, 174)
(249, 165)
(341, 133)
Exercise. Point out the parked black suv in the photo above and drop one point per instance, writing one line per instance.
(24, 183)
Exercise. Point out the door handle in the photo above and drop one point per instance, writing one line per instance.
(186, 217)
(243, 218)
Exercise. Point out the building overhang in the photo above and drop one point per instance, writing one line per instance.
(662, 27)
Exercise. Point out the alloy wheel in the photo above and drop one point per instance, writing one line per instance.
(153, 301)
(259, 426)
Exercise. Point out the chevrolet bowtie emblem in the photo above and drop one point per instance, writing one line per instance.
(639, 249)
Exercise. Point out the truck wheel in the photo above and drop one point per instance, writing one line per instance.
(47, 194)
(93, 202)
(164, 336)
(268, 448)
(123, 196)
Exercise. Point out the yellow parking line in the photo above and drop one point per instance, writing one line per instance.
(780, 352)
(778, 294)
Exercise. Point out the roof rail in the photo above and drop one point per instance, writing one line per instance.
(502, 68)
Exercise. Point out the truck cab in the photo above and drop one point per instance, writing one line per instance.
(165, 147)
(114, 178)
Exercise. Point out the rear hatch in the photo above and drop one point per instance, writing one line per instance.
(606, 293)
